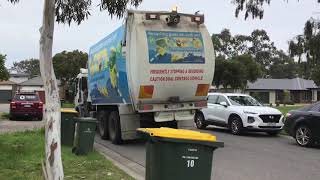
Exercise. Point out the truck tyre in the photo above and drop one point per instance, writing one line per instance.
(114, 128)
(102, 118)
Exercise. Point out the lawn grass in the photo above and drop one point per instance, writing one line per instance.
(4, 116)
(286, 109)
(21, 155)
(67, 105)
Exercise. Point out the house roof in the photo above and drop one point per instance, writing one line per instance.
(36, 81)
(7, 83)
(19, 75)
(282, 84)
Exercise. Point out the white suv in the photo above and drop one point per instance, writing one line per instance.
(239, 112)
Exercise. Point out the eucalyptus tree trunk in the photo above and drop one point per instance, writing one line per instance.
(53, 163)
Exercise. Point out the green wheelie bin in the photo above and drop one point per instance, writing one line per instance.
(67, 126)
(174, 154)
(84, 136)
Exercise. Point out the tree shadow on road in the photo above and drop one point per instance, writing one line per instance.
(244, 134)
(292, 142)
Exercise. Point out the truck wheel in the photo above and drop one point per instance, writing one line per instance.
(102, 124)
(114, 128)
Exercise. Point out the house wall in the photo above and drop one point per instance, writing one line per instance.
(314, 95)
(5, 87)
(31, 88)
(272, 97)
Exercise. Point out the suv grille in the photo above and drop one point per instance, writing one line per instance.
(270, 118)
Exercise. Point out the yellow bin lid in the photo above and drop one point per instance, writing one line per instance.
(66, 110)
(178, 134)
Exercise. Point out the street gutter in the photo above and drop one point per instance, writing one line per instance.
(131, 168)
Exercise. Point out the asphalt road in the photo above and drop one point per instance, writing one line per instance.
(4, 108)
(253, 156)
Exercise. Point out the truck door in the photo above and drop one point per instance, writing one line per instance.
(76, 91)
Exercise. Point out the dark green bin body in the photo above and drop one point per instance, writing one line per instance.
(67, 128)
(84, 136)
(179, 159)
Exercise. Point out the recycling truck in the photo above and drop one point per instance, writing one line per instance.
(155, 70)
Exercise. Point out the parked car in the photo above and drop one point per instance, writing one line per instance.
(304, 124)
(239, 112)
(26, 104)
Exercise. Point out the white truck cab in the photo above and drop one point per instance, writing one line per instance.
(81, 92)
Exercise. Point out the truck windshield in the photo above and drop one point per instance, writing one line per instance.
(243, 101)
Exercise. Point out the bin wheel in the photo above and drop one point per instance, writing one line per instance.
(200, 121)
(114, 128)
(102, 124)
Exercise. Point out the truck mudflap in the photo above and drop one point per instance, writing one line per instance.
(174, 115)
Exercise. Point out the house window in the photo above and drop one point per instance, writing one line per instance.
(262, 97)
(279, 96)
(306, 95)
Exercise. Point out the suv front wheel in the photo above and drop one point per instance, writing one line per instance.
(199, 120)
(235, 125)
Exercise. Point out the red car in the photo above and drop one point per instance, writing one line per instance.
(26, 105)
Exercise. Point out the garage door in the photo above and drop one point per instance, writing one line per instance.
(5, 96)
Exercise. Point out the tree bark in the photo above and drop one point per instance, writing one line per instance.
(52, 115)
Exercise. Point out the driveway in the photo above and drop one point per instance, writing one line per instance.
(14, 126)
(4, 108)
(251, 156)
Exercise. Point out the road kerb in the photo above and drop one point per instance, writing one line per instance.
(131, 168)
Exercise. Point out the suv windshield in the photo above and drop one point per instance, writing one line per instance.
(26, 97)
(243, 101)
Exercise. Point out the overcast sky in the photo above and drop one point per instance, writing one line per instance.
(19, 24)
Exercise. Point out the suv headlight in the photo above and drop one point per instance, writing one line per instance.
(249, 112)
